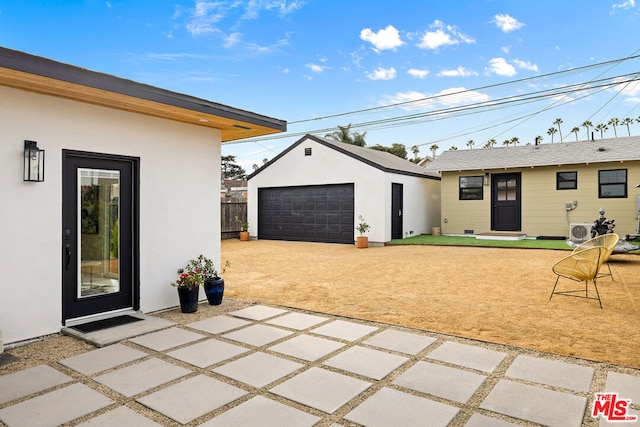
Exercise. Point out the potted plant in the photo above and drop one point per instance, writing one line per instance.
(244, 229)
(189, 281)
(213, 284)
(362, 241)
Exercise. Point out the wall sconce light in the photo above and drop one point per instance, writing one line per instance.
(486, 178)
(33, 162)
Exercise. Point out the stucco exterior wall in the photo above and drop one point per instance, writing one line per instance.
(543, 207)
(179, 201)
(372, 188)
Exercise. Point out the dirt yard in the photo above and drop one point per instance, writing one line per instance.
(489, 294)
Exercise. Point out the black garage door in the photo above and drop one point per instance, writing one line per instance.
(316, 213)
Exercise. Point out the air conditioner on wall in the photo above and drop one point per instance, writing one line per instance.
(579, 232)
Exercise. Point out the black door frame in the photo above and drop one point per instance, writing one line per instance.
(496, 204)
(73, 159)
(397, 206)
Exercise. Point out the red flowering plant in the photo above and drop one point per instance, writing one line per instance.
(189, 276)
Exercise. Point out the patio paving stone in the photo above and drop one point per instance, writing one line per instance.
(479, 420)
(348, 331)
(389, 407)
(207, 353)
(551, 372)
(218, 324)
(306, 347)
(185, 401)
(442, 381)
(367, 362)
(258, 335)
(469, 356)
(142, 376)
(55, 408)
(258, 369)
(167, 338)
(29, 381)
(120, 417)
(403, 342)
(298, 321)
(263, 412)
(535, 404)
(102, 359)
(627, 386)
(329, 392)
(636, 412)
(257, 312)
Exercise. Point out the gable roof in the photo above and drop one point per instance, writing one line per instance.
(381, 160)
(565, 153)
(36, 74)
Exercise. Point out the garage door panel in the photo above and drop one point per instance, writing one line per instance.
(307, 213)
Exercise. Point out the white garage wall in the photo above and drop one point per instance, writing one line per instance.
(179, 205)
(372, 188)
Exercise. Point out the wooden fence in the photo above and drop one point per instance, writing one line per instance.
(229, 227)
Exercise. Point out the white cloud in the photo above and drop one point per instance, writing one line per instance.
(388, 38)
(316, 68)
(525, 65)
(500, 67)
(446, 98)
(630, 89)
(458, 72)
(443, 35)
(382, 74)
(506, 49)
(232, 39)
(507, 23)
(624, 5)
(254, 7)
(204, 16)
(419, 74)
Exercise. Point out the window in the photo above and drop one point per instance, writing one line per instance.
(612, 184)
(566, 180)
(471, 187)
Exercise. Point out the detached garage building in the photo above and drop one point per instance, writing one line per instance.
(315, 190)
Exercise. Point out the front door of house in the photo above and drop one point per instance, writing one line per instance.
(99, 211)
(505, 202)
(396, 210)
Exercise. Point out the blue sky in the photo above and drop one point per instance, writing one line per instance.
(462, 69)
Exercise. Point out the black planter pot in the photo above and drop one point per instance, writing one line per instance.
(188, 298)
(214, 288)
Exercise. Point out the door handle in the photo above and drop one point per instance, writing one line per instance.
(68, 251)
(399, 212)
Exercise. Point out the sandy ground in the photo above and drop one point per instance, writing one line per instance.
(489, 294)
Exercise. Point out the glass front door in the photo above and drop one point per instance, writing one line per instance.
(99, 264)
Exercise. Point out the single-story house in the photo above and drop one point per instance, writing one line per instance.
(540, 190)
(122, 199)
(316, 189)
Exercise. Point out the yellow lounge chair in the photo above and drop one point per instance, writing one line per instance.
(580, 266)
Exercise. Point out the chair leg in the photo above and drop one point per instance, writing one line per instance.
(595, 285)
(554, 288)
(610, 273)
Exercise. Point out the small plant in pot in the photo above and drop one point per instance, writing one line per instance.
(212, 282)
(244, 229)
(189, 281)
(362, 241)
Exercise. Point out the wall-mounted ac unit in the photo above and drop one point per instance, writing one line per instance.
(579, 232)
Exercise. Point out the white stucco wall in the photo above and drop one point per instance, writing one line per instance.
(372, 187)
(179, 201)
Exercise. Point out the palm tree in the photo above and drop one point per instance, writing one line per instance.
(493, 142)
(575, 130)
(433, 149)
(539, 139)
(587, 124)
(343, 134)
(453, 148)
(506, 142)
(602, 128)
(415, 150)
(515, 141)
(558, 122)
(627, 121)
(551, 132)
(470, 143)
(614, 122)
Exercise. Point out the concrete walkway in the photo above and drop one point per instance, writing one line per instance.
(275, 366)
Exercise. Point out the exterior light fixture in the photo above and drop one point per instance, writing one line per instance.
(486, 178)
(33, 162)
